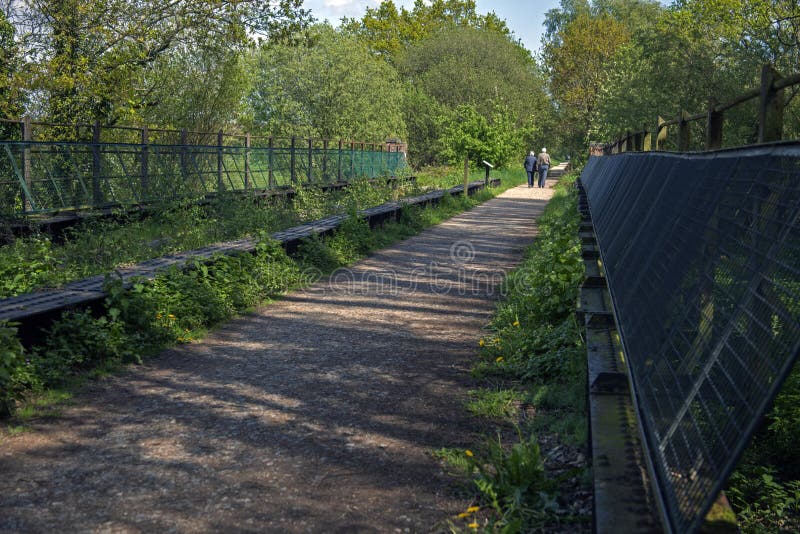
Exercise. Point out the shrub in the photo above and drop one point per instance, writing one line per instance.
(11, 358)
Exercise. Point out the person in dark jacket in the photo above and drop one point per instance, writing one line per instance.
(543, 165)
(530, 167)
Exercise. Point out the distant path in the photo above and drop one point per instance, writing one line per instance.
(317, 413)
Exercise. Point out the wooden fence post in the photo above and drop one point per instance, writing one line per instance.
(647, 139)
(145, 163)
(27, 137)
(770, 107)
(684, 136)
(713, 126)
(637, 141)
(661, 134)
(97, 196)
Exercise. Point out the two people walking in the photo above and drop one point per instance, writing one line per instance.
(539, 163)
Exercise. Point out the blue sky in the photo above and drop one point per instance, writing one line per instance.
(524, 17)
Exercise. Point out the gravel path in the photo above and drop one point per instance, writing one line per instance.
(315, 414)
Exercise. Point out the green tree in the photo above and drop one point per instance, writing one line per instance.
(482, 69)
(10, 62)
(468, 134)
(89, 58)
(331, 87)
(202, 89)
(387, 30)
(579, 63)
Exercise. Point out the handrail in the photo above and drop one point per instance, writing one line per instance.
(770, 119)
(26, 125)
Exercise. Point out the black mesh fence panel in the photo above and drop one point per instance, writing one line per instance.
(701, 255)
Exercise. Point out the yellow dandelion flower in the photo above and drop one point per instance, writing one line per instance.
(499, 359)
(158, 316)
(473, 525)
(468, 453)
(516, 323)
(473, 509)
(171, 316)
(462, 515)
(481, 342)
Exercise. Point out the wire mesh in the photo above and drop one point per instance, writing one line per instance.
(40, 177)
(701, 254)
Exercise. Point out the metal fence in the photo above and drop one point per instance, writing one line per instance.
(702, 254)
(47, 176)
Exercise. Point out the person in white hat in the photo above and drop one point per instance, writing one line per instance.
(543, 163)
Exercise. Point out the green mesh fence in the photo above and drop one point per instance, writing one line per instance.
(42, 177)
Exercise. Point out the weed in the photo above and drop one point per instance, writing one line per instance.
(513, 482)
(494, 403)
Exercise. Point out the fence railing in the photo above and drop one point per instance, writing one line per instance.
(46, 176)
(700, 255)
(771, 104)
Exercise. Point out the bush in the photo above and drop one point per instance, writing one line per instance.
(11, 358)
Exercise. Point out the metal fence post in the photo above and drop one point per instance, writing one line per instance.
(339, 164)
(247, 142)
(770, 107)
(324, 159)
(220, 141)
(97, 197)
(145, 162)
(291, 161)
(27, 136)
(184, 156)
(270, 170)
(713, 126)
(310, 159)
(352, 160)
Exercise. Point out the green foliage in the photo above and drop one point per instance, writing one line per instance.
(11, 358)
(494, 403)
(92, 60)
(387, 30)
(482, 95)
(765, 488)
(76, 342)
(469, 135)
(331, 87)
(763, 501)
(25, 265)
(513, 482)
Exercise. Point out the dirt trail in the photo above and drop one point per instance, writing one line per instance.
(315, 414)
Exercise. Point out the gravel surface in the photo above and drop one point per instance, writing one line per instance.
(317, 413)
